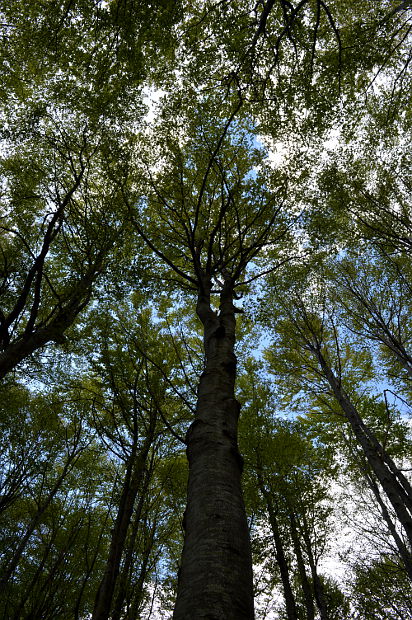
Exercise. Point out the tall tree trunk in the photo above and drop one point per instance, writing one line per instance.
(304, 581)
(28, 589)
(129, 551)
(370, 478)
(215, 579)
(280, 552)
(45, 594)
(282, 563)
(89, 565)
(42, 507)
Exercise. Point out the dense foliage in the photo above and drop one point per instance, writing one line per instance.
(183, 181)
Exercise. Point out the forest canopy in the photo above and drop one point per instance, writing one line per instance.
(205, 310)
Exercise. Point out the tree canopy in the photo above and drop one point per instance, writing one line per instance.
(205, 300)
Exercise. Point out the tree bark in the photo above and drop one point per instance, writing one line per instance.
(215, 579)
(403, 551)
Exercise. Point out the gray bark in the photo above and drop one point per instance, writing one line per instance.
(215, 579)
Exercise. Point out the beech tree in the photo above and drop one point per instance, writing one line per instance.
(208, 221)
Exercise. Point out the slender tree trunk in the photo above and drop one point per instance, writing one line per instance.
(317, 582)
(44, 595)
(280, 552)
(135, 599)
(282, 563)
(39, 571)
(125, 574)
(89, 566)
(394, 484)
(215, 579)
(404, 552)
(12, 565)
(304, 581)
(131, 485)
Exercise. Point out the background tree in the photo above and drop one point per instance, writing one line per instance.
(291, 476)
(75, 77)
(334, 370)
